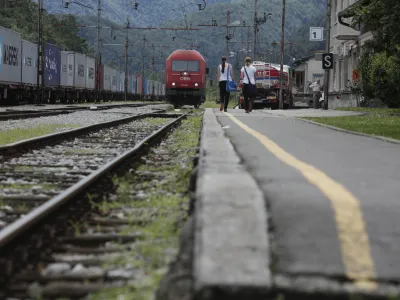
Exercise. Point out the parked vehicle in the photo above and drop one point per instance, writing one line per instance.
(68, 76)
(268, 87)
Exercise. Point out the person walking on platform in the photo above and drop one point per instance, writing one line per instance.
(247, 75)
(222, 76)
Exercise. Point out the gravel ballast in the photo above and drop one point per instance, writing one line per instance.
(79, 118)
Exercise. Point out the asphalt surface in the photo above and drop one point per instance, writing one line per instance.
(303, 225)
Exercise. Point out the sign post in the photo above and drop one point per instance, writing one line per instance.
(327, 61)
(316, 34)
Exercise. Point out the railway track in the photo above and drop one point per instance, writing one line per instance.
(46, 190)
(14, 114)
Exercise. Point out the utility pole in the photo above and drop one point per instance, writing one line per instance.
(282, 55)
(144, 46)
(40, 61)
(255, 30)
(228, 19)
(327, 50)
(248, 41)
(153, 68)
(98, 50)
(126, 59)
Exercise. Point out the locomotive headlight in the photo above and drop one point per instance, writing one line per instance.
(196, 84)
(173, 83)
(185, 73)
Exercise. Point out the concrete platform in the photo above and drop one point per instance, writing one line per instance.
(287, 207)
(231, 246)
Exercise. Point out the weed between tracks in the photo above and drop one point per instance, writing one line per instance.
(156, 194)
(14, 135)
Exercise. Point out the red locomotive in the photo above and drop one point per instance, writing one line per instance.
(185, 81)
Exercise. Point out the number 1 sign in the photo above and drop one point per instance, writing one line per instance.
(316, 34)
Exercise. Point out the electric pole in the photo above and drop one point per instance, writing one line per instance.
(98, 54)
(248, 40)
(144, 46)
(228, 19)
(282, 55)
(255, 30)
(327, 50)
(126, 59)
(40, 61)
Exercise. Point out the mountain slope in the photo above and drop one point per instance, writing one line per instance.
(300, 15)
(148, 12)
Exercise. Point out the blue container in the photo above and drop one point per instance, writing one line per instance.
(145, 83)
(52, 65)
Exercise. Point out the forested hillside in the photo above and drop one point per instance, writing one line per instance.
(211, 42)
(22, 17)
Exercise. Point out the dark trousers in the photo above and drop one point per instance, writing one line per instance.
(223, 94)
(246, 96)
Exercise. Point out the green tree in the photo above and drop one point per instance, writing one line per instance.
(383, 18)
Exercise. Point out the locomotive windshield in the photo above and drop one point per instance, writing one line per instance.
(186, 65)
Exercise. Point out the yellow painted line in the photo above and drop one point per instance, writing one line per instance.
(353, 237)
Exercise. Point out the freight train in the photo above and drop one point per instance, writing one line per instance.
(185, 78)
(68, 76)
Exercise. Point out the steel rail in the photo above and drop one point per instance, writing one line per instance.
(15, 229)
(19, 146)
(30, 114)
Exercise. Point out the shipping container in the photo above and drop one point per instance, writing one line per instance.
(149, 87)
(63, 68)
(158, 88)
(132, 84)
(71, 69)
(122, 81)
(10, 62)
(79, 61)
(114, 80)
(139, 85)
(29, 62)
(90, 73)
(108, 72)
(144, 87)
(52, 65)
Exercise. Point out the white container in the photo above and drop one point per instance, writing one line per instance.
(70, 69)
(64, 70)
(90, 73)
(107, 78)
(121, 82)
(29, 62)
(10, 56)
(114, 80)
(80, 71)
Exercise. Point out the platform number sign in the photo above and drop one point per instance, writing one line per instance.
(327, 61)
(316, 34)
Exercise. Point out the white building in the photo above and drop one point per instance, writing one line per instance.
(308, 70)
(346, 44)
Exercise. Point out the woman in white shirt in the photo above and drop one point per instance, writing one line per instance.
(248, 72)
(222, 76)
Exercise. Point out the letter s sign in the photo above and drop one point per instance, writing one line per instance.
(327, 61)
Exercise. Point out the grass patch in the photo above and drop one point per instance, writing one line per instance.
(14, 135)
(168, 197)
(387, 126)
(371, 110)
